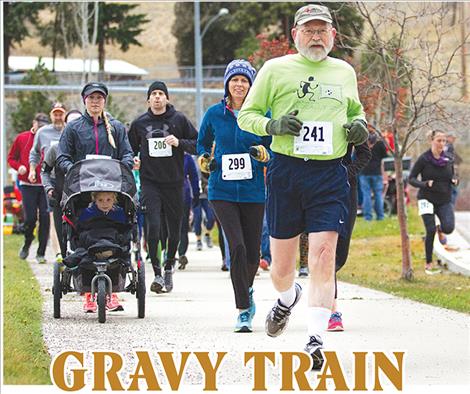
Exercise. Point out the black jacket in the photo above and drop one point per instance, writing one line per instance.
(441, 190)
(374, 167)
(362, 155)
(163, 171)
(78, 140)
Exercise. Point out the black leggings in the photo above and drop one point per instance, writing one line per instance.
(445, 213)
(34, 200)
(242, 224)
(183, 246)
(156, 199)
(57, 215)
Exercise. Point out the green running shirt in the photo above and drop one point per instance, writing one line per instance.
(324, 91)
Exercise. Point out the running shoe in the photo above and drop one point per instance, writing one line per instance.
(224, 266)
(168, 279)
(113, 304)
(264, 265)
(243, 322)
(40, 259)
(278, 317)
(157, 284)
(252, 307)
(24, 252)
(335, 323)
(442, 237)
(314, 348)
(303, 272)
(199, 244)
(451, 248)
(89, 306)
(431, 270)
(208, 240)
(183, 260)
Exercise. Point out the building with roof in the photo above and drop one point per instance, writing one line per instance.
(68, 70)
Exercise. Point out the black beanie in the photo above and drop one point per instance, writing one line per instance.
(157, 85)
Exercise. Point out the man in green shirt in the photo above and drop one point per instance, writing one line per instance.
(316, 112)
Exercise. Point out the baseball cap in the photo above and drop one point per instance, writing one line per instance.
(93, 87)
(58, 107)
(311, 12)
(41, 118)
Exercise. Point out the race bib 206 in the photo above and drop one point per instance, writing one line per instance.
(159, 148)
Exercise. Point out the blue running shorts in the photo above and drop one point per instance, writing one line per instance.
(306, 196)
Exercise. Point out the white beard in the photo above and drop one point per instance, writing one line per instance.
(313, 54)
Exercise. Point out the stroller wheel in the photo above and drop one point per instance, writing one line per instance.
(57, 290)
(140, 294)
(101, 300)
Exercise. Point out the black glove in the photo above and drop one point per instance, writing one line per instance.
(52, 200)
(357, 133)
(286, 125)
(259, 153)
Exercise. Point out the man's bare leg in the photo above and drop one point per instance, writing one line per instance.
(284, 252)
(321, 260)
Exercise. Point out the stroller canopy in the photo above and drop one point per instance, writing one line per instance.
(99, 175)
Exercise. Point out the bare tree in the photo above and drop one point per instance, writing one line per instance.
(82, 16)
(409, 60)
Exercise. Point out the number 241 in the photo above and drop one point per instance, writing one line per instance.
(312, 134)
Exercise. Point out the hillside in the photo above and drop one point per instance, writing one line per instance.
(157, 54)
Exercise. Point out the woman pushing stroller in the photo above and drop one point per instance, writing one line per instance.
(94, 134)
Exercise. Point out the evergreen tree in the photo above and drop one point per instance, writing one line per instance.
(15, 30)
(117, 26)
(219, 42)
(236, 35)
(29, 103)
(59, 33)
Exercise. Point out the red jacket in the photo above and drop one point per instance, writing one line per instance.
(19, 155)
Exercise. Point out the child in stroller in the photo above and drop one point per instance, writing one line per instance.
(100, 232)
(104, 205)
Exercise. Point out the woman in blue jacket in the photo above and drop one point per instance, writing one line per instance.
(235, 160)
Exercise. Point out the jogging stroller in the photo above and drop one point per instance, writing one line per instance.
(102, 256)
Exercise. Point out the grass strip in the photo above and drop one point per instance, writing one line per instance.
(25, 359)
(375, 262)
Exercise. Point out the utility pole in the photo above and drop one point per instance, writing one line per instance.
(198, 60)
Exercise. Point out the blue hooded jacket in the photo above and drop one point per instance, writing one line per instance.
(219, 125)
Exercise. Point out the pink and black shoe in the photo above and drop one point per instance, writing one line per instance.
(335, 323)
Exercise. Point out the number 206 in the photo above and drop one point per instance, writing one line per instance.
(159, 145)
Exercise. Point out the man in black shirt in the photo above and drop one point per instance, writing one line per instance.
(372, 179)
(161, 136)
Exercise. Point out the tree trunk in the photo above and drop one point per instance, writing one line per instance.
(406, 270)
(101, 59)
(6, 52)
(6, 41)
(56, 33)
(465, 95)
